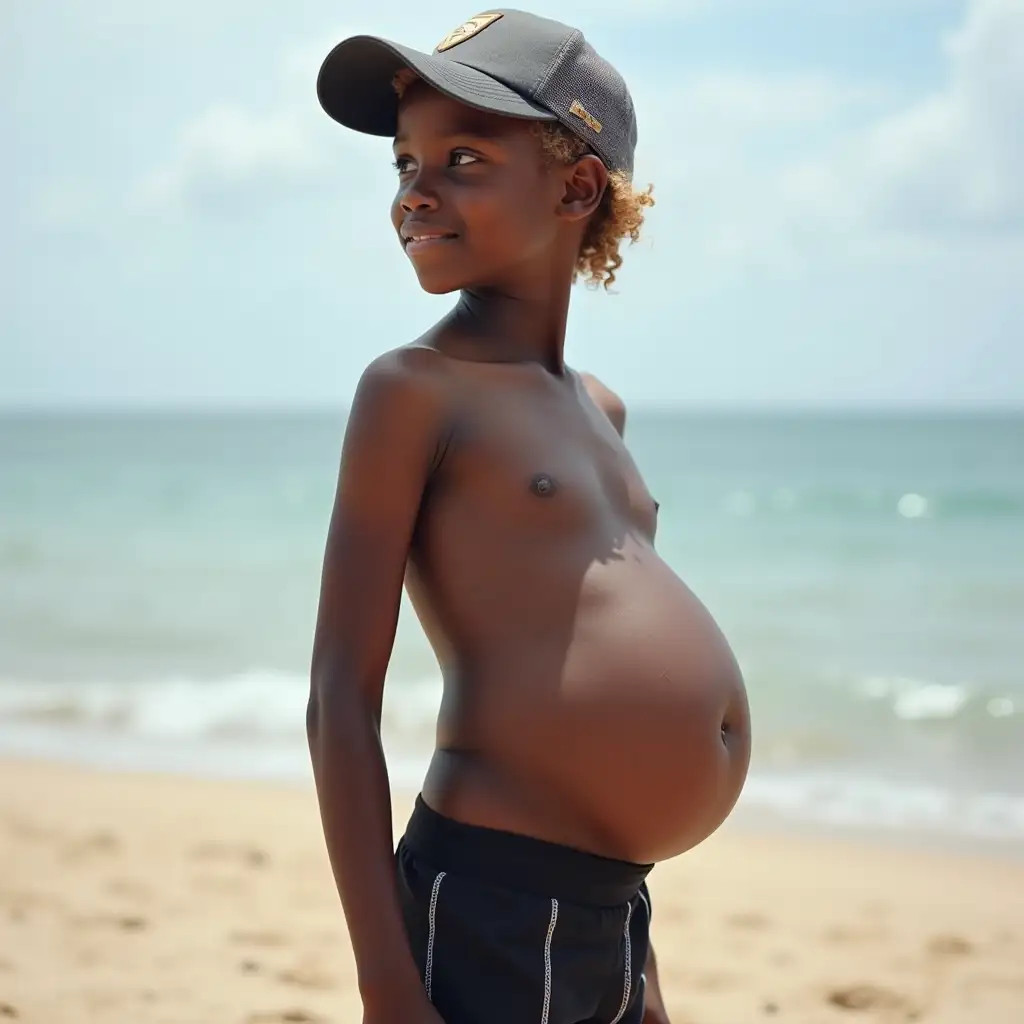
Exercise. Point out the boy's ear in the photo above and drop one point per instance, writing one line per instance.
(585, 183)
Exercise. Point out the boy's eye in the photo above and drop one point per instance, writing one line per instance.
(459, 158)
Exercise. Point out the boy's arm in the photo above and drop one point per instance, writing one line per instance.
(615, 409)
(654, 1004)
(388, 453)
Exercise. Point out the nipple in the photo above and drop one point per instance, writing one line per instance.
(543, 485)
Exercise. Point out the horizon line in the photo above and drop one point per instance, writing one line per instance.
(733, 407)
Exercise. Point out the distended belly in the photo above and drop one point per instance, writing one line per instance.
(633, 741)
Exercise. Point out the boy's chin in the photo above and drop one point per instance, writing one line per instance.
(441, 284)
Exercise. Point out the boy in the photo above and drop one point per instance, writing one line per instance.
(593, 720)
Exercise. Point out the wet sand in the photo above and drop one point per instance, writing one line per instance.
(168, 900)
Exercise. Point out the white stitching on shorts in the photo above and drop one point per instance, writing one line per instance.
(646, 904)
(643, 977)
(547, 963)
(428, 970)
(627, 984)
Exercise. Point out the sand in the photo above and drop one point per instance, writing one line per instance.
(145, 899)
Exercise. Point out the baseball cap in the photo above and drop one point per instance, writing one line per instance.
(504, 61)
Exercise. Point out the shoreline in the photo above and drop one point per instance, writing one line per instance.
(750, 818)
(162, 898)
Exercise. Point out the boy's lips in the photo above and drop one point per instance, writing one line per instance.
(419, 237)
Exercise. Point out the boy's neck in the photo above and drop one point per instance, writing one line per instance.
(521, 326)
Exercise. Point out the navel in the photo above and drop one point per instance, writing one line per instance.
(543, 486)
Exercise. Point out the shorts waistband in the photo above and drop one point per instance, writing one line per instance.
(521, 862)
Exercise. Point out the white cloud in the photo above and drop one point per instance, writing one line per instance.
(230, 154)
(233, 155)
(758, 103)
(947, 166)
(719, 149)
(751, 169)
(789, 172)
(805, 224)
(956, 161)
(236, 154)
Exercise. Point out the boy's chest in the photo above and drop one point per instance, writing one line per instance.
(548, 462)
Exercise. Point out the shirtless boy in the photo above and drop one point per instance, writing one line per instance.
(594, 720)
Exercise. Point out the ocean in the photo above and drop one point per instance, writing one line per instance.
(159, 578)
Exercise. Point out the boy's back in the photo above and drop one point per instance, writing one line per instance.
(593, 720)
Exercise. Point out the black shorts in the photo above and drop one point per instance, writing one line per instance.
(507, 929)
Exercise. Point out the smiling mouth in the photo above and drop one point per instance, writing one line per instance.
(421, 242)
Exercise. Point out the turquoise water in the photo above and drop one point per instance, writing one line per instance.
(158, 584)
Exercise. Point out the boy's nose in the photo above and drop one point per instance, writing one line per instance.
(417, 198)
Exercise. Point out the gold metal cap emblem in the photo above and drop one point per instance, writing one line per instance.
(585, 116)
(467, 30)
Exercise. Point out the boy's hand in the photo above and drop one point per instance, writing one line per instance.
(413, 1008)
(654, 1006)
(655, 1015)
(420, 1015)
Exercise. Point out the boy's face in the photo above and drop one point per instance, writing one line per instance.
(476, 200)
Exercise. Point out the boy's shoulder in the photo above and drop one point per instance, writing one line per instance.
(415, 359)
(405, 384)
(407, 368)
(605, 399)
(414, 380)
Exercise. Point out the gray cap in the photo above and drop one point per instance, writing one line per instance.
(505, 61)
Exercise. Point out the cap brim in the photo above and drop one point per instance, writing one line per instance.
(356, 85)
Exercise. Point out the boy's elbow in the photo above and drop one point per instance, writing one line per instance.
(313, 713)
(321, 684)
(334, 697)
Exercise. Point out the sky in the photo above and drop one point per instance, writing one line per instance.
(839, 219)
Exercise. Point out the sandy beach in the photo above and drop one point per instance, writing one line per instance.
(169, 900)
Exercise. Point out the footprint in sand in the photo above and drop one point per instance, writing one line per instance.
(950, 946)
(870, 997)
(99, 844)
(714, 982)
(250, 856)
(19, 905)
(842, 936)
(126, 888)
(28, 830)
(123, 922)
(286, 1017)
(749, 922)
(267, 940)
(306, 977)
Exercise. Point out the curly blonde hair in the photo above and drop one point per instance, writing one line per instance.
(619, 216)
